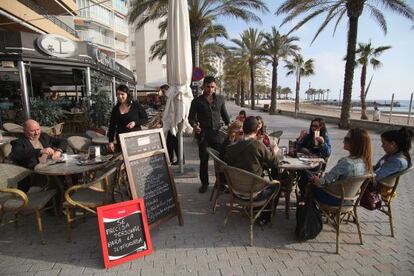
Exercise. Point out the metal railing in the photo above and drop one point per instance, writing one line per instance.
(42, 11)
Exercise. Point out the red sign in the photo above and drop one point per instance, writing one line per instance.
(198, 74)
(124, 232)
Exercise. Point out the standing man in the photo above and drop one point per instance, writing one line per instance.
(205, 113)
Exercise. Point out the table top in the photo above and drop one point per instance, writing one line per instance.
(299, 164)
(100, 140)
(70, 167)
(6, 140)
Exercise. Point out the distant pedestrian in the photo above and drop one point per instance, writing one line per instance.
(377, 113)
(204, 116)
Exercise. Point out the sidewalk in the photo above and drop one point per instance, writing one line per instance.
(198, 248)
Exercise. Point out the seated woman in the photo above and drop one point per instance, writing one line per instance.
(261, 132)
(234, 134)
(315, 142)
(397, 145)
(358, 163)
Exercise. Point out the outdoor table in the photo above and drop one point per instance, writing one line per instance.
(69, 168)
(3, 142)
(292, 166)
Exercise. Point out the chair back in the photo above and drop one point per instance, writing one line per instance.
(11, 174)
(276, 134)
(57, 130)
(9, 127)
(222, 135)
(79, 143)
(92, 134)
(244, 183)
(218, 163)
(349, 188)
(392, 180)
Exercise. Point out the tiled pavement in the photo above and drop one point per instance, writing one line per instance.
(198, 248)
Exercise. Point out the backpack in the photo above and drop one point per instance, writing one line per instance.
(308, 218)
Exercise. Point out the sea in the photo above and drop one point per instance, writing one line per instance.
(403, 107)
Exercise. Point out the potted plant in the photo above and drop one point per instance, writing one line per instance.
(100, 109)
(45, 111)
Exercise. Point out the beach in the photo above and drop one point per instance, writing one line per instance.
(335, 111)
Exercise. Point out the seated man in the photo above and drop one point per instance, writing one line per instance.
(251, 155)
(35, 147)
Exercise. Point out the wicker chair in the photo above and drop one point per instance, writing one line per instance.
(87, 197)
(244, 187)
(57, 130)
(79, 144)
(391, 182)
(92, 134)
(219, 185)
(11, 127)
(348, 192)
(276, 135)
(15, 202)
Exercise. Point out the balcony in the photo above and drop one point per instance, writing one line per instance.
(121, 26)
(122, 46)
(44, 12)
(95, 37)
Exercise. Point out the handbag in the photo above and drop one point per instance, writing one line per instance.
(308, 218)
(370, 200)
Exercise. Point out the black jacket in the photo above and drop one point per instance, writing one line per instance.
(208, 115)
(119, 121)
(24, 154)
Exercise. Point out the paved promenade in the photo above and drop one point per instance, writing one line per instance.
(198, 248)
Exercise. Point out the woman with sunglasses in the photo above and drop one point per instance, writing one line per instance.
(358, 163)
(317, 141)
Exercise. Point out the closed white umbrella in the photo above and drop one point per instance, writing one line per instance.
(179, 68)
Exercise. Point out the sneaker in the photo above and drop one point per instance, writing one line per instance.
(203, 189)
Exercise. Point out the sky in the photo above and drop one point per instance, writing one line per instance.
(328, 50)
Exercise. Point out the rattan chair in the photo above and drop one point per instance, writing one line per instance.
(57, 130)
(348, 192)
(87, 197)
(79, 144)
(92, 134)
(276, 135)
(392, 183)
(219, 186)
(244, 187)
(11, 127)
(15, 202)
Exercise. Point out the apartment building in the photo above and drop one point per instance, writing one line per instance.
(150, 74)
(105, 24)
(39, 17)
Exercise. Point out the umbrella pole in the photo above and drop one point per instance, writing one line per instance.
(180, 149)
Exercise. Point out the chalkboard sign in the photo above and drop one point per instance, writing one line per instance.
(149, 174)
(155, 189)
(124, 232)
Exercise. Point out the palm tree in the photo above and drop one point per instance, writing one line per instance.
(336, 9)
(236, 69)
(276, 47)
(366, 54)
(251, 41)
(202, 15)
(286, 91)
(299, 67)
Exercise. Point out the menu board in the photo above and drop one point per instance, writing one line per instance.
(149, 174)
(124, 232)
(153, 184)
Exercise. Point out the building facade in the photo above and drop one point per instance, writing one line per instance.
(105, 24)
(39, 17)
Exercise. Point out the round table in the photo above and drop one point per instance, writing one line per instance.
(293, 165)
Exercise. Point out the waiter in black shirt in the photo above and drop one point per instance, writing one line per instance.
(205, 113)
(126, 116)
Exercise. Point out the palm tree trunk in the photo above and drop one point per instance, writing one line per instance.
(242, 93)
(273, 101)
(349, 72)
(196, 53)
(252, 85)
(363, 104)
(238, 93)
(297, 92)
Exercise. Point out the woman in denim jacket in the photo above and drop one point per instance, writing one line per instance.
(358, 163)
(397, 145)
